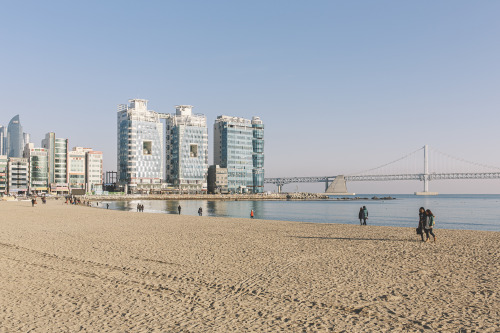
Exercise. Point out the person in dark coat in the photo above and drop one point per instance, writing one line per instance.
(429, 225)
(422, 217)
(179, 209)
(200, 211)
(361, 215)
(365, 215)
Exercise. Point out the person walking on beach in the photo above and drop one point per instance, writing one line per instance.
(179, 209)
(200, 211)
(251, 214)
(422, 218)
(361, 215)
(365, 215)
(429, 225)
(33, 202)
(138, 207)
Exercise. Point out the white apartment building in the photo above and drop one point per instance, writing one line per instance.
(3, 174)
(94, 171)
(76, 170)
(18, 175)
(187, 149)
(140, 153)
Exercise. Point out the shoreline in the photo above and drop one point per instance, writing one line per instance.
(232, 197)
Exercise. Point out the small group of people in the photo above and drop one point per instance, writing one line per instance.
(140, 208)
(363, 215)
(426, 224)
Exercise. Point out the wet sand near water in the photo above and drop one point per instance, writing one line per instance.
(78, 269)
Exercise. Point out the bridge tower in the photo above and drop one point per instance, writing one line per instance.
(426, 177)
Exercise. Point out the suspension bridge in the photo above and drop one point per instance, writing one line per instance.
(436, 166)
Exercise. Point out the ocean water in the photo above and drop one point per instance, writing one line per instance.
(471, 212)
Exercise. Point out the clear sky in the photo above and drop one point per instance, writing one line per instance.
(342, 86)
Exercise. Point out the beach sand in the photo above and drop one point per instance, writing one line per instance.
(79, 269)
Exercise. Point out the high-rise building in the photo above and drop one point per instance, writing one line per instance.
(57, 149)
(233, 150)
(15, 138)
(239, 147)
(94, 171)
(38, 168)
(18, 175)
(140, 155)
(3, 174)
(187, 149)
(3, 140)
(26, 139)
(258, 155)
(76, 170)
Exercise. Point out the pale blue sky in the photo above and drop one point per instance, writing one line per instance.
(342, 86)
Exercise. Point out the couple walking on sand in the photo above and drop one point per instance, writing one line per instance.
(363, 215)
(425, 224)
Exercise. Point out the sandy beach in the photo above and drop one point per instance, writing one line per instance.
(79, 269)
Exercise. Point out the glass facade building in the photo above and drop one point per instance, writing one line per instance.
(258, 155)
(140, 159)
(233, 150)
(38, 168)
(187, 149)
(239, 147)
(15, 138)
(57, 151)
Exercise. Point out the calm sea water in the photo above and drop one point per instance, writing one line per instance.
(473, 212)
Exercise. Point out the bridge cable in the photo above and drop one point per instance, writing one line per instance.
(465, 161)
(379, 167)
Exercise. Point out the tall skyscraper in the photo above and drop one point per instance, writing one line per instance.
(187, 149)
(258, 155)
(57, 161)
(233, 150)
(239, 147)
(26, 139)
(3, 140)
(140, 155)
(15, 138)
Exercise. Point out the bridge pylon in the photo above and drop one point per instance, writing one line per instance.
(338, 186)
(426, 177)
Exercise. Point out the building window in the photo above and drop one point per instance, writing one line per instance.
(193, 150)
(147, 147)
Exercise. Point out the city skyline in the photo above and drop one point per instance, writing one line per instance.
(362, 83)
